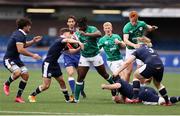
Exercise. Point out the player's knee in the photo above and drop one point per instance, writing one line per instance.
(17, 73)
(45, 86)
(70, 73)
(25, 76)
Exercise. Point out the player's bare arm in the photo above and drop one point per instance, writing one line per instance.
(95, 34)
(125, 64)
(34, 40)
(120, 43)
(23, 51)
(74, 41)
(152, 27)
(111, 86)
(127, 42)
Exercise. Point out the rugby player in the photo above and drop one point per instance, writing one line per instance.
(17, 45)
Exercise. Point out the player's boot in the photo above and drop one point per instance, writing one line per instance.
(6, 89)
(32, 99)
(19, 100)
(83, 94)
(71, 98)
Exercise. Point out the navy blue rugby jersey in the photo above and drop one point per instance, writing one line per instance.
(16, 37)
(148, 56)
(55, 50)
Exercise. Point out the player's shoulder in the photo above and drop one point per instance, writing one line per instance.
(116, 35)
(127, 26)
(141, 22)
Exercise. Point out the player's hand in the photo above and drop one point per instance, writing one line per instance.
(154, 27)
(37, 39)
(82, 33)
(81, 45)
(137, 46)
(103, 86)
(116, 41)
(36, 56)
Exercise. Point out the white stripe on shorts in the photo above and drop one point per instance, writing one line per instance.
(46, 64)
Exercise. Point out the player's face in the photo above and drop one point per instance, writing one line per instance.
(71, 23)
(67, 35)
(27, 28)
(133, 21)
(108, 29)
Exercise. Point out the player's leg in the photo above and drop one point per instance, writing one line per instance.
(129, 69)
(22, 84)
(64, 90)
(99, 65)
(157, 78)
(70, 73)
(82, 71)
(44, 86)
(15, 73)
(47, 73)
(141, 73)
(69, 65)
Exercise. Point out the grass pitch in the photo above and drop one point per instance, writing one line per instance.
(98, 101)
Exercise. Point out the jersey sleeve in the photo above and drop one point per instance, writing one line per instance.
(144, 24)
(119, 38)
(20, 39)
(94, 29)
(100, 43)
(126, 29)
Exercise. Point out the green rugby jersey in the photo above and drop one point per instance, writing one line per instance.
(134, 31)
(109, 46)
(90, 44)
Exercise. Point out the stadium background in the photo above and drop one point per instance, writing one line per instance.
(163, 13)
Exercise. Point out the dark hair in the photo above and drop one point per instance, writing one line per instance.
(82, 22)
(22, 22)
(63, 30)
(72, 17)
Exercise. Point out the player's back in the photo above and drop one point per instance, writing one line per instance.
(148, 56)
(55, 50)
(12, 51)
(126, 89)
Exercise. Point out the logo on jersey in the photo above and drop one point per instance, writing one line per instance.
(130, 31)
(49, 74)
(140, 28)
(106, 42)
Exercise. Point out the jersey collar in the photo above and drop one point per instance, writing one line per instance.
(22, 31)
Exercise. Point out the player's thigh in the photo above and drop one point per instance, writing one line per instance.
(82, 71)
(84, 62)
(70, 70)
(145, 71)
(97, 60)
(46, 82)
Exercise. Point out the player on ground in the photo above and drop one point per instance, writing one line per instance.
(152, 68)
(147, 95)
(111, 44)
(51, 68)
(131, 31)
(17, 45)
(89, 35)
(71, 60)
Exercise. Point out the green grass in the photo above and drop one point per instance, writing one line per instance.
(97, 102)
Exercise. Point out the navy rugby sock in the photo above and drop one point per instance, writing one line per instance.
(136, 88)
(9, 81)
(22, 86)
(163, 93)
(36, 92)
